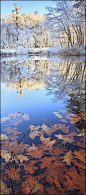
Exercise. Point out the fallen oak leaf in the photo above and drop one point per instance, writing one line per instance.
(45, 128)
(6, 155)
(21, 158)
(34, 152)
(80, 154)
(33, 134)
(75, 162)
(67, 158)
(30, 167)
(13, 173)
(63, 128)
(47, 141)
(65, 139)
(34, 128)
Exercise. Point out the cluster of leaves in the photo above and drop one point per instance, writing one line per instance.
(44, 168)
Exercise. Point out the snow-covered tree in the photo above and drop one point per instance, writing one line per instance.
(65, 22)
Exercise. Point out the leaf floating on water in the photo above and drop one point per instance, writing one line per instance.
(34, 128)
(47, 141)
(57, 115)
(6, 155)
(66, 139)
(63, 128)
(21, 158)
(68, 158)
(33, 134)
(43, 139)
(45, 128)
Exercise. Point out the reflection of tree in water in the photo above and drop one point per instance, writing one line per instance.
(68, 79)
(25, 74)
(70, 84)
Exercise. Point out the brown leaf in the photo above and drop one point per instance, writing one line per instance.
(21, 158)
(68, 158)
(6, 155)
(75, 162)
(13, 173)
(35, 152)
(34, 128)
(46, 161)
(63, 128)
(66, 139)
(45, 128)
(58, 150)
(26, 190)
(33, 134)
(73, 173)
(29, 167)
(47, 141)
(80, 154)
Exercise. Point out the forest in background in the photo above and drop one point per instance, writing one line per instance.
(63, 27)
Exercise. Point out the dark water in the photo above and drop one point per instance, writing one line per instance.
(42, 120)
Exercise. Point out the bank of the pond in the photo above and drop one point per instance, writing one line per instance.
(67, 51)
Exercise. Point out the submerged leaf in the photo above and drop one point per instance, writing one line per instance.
(68, 158)
(4, 189)
(36, 188)
(80, 154)
(26, 190)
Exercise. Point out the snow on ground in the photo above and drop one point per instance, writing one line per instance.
(67, 51)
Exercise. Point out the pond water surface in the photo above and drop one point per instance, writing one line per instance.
(42, 125)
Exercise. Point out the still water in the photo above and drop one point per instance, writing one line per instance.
(42, 125)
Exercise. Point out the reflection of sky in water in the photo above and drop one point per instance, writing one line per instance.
(43, 81)
(36, 104)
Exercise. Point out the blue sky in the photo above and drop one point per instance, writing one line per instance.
(27, 6)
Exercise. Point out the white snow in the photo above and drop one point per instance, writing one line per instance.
(45, 51)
